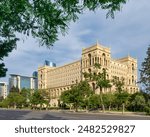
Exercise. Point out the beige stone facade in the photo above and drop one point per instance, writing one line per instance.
(58, 79)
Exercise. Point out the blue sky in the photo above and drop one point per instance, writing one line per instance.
(128, 33)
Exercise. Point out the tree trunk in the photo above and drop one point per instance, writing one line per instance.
(109, 107)
(46, 106)
(76, 107)
(40, 106)
(70, 107)
(15, 106)
(103, 108)
(86, 109)
(101, 98)
(123, 106)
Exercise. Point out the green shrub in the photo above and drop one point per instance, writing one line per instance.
(147, 110)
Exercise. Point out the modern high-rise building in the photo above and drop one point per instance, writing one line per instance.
(58, 79)
(48, 63)
(35, 74)
(3, 90)
(22, 82)
(35, 77)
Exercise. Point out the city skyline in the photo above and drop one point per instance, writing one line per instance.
(127, 34)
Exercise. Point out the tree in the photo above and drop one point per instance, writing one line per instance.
(14, 89)
(5, 103)
(87, 92)
(46, 97)
(6, 46)
(100, 77)
(26, 94)
(119, 83)
(43, 19)
(121, 95)
(145, 71)
(1, 98)
(72, 97)
(66, 99)
(122, 99)
(138, 102)
(109, 100)
(37, 99)
(94, 102)
(77, 95)
(15, 100)
(102, 83)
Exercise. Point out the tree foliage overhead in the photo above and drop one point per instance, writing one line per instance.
(43, 19)
(145, 71)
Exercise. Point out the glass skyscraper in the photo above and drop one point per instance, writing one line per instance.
(23, 82)
(49, 63)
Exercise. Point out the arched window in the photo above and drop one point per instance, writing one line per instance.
(89, 70)
(86, 63)
(93, 86)
(97, 59)
(83, 63)
(106, 63)
(132, 79)
(132, 68)
(93, 61)
(104, 59)
(89, 56)
(100, 61)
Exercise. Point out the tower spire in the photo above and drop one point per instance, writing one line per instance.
(128, 54)
(97, 43)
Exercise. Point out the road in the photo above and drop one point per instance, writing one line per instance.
(64, 115)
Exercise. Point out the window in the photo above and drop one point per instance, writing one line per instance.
(104, 59)
(93, 86)
(89, 70)
(89, 55)
(100, 61)
(132, 68)
(93, 60)
(132, 79)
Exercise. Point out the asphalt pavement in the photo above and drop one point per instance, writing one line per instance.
(7, 114)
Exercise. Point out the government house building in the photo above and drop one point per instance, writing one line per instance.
(58, 79)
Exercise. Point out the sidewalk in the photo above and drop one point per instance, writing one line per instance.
(106, 113)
